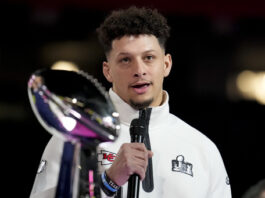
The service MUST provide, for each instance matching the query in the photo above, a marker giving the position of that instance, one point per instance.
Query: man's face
(136, 68)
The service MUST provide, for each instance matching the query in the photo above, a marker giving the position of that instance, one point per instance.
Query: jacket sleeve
(220, 185)
(47, 175)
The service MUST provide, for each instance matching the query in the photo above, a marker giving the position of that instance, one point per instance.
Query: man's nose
(139, 69)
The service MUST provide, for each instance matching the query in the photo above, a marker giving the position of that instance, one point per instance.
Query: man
(185, 162)
(175, 160)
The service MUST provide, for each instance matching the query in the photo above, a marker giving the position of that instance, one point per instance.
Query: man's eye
(149, 58)
(125, 60)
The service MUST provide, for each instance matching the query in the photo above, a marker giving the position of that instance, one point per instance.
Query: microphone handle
(133, 186)
(134, 180)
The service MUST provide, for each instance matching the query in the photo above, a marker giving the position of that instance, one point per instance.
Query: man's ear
(106, 71)
(167, 64)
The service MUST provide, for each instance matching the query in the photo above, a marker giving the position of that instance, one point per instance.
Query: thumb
(150, 154)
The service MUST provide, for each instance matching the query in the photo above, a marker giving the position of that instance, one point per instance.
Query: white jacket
(186, 164)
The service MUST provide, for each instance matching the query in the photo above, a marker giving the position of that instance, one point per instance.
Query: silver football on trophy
(73, 105)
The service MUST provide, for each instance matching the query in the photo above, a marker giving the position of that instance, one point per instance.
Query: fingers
(137, 158)
(132, 158)
(140, 147)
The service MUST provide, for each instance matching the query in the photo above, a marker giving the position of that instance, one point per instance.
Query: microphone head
(137, 127)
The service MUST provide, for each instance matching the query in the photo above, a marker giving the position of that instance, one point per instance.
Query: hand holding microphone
(137, 132)
(131, 160)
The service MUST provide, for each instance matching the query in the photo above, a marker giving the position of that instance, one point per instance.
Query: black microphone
(137, 132)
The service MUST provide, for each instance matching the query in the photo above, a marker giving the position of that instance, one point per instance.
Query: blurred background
(217, 83)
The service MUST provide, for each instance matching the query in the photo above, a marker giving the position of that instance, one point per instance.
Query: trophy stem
(68, 166)
(88, 178)
(78, 173)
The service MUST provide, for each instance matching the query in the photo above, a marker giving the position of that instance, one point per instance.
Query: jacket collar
(127, 113)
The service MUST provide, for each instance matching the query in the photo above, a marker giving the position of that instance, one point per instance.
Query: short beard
(142, 105)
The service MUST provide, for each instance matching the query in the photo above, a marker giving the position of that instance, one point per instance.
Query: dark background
(210, 42)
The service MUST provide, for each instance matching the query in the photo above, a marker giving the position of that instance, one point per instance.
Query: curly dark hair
(133, 21)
